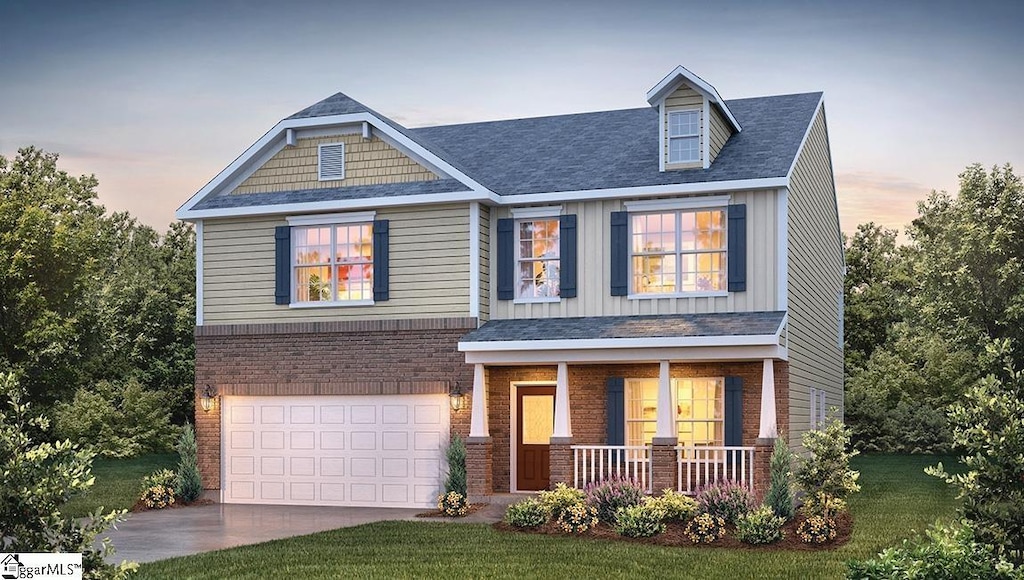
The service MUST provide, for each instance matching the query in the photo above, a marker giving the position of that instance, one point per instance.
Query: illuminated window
(333, 263)
(699, 412)
(680, 251)
(537, 259)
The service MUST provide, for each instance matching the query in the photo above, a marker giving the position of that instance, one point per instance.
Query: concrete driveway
(160, 534)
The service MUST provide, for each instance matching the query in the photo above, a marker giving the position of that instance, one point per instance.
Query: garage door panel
(335, 450)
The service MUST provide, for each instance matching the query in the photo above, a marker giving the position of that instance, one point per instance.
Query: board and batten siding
(721, 130)
(594, 275)
(367, 162)
(683, 98)
(816, 265)
(485, 263)
(429, 263)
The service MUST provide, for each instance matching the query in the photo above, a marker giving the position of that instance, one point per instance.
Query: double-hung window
(683, 136)
(537, 259)
(678, 251)
(699, 410)
(332, 262)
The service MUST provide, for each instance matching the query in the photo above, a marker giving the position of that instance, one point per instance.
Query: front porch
(690, 468)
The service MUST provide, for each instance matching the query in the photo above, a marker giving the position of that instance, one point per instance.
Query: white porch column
(563, 422)
(665, 427)
(478, 421)
(769, 424)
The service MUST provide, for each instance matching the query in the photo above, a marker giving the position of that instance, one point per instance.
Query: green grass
(897, 497)
(117, 483)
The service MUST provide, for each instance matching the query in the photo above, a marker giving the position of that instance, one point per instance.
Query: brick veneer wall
(587, 386)
(417, 356)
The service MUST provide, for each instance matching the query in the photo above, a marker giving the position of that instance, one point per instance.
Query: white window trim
(681, 294)
(528, 213)
(683, 203)
(333, 220)
(675, 397)
(669, 136)
(519, 259)
(319, 161)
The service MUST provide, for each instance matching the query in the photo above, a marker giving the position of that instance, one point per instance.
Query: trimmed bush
(456, 455)
(188, 485)
(725, 499)
(640, 521)
(760, 526)
(453, 504)
(528, 513)
(610, 495)
(578, 518)
(705, 528)
(563, 496)
(780, 488)
(675, 505)
(158, 496)
(164, 477)
(817, 530)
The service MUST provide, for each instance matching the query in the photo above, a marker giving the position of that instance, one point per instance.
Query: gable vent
(332, 161)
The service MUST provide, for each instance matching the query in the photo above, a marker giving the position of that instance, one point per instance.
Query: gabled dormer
(694, 121)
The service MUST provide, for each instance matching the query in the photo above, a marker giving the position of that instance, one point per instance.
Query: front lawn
(117, 483)
(897, 497)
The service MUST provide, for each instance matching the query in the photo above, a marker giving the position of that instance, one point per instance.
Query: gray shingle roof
(649, 326)
(331, 194)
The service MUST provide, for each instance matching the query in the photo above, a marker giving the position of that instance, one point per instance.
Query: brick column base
(763, 449)
(663, 467)
(479, 480)
(560, 462)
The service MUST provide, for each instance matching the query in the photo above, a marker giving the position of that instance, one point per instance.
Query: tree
(188, 485)
(38, 478)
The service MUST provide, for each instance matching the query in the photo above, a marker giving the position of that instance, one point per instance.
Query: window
(537, 259)
(700, 410)
(333, 262)
(682, 251)
(683, 136)
(819, 414)
(331, 164)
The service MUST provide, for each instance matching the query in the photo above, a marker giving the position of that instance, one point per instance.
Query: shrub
(705, 528)
(610, 495)
(563, 496)
(164, 477)
(453, 504)
(675, 505)
(188, 485)
(760, 526)
(780, 488)
(726, 499)
(945, 553)
(158, 496)
(640, 521)
(456, 454)
(39, 478)
(817, 530)
(825, 476)
(528, 513)
(578, 518)
(117, 419)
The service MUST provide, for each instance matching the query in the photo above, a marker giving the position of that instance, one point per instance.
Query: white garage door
(381, 450)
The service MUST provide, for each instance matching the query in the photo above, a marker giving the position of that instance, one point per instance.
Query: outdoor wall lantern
(207, 398)
(455, 397)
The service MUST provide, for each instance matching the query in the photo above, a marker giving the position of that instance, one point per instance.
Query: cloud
(887, 200)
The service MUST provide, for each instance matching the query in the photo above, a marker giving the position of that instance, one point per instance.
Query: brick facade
(326, 358)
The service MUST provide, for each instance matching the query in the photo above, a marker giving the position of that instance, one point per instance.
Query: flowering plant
(453, 504)
(705, 528)
(817, 530)
(578, 518)
(158, 496)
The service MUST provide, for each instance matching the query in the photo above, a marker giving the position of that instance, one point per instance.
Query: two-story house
(652, 292)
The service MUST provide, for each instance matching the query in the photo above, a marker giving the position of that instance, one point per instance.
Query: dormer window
(683, 136)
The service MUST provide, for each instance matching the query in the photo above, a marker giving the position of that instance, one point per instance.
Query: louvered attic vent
(332, 161)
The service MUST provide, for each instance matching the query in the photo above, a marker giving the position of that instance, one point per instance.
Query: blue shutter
(619, 252)
(733, 411)
(737, 259)
(506, 259)
(567, 255)
(381, 261)
(616, 405)
(282, 265)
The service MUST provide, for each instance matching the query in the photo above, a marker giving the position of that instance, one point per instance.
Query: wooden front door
(535, 407)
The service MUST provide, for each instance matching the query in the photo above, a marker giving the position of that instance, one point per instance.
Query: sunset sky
(155, 98)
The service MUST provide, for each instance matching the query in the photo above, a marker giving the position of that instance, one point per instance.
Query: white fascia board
(618, 343)
(340, 205)
(474, 259)
(782, 249)
(277, 134)
(630, 355)
(619, 192)
(199, 272)
(669, 83)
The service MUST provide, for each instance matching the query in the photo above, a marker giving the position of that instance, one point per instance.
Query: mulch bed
(437, 513)
(674, 536)
(140, 506)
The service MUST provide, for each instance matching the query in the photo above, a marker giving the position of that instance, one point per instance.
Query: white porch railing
(599, 462)
(698, 466)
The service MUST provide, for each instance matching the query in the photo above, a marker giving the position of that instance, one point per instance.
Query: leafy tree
(825, 476)
(38, 478)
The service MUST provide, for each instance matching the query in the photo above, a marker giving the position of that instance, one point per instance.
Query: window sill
(678, 295)
(536, 300)
(334, 304)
